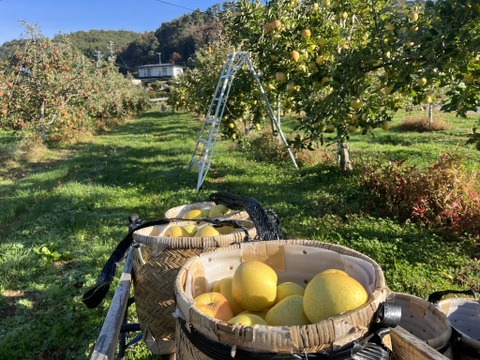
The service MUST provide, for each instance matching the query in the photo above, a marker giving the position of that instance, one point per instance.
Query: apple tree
(349, 65)
(194, 90)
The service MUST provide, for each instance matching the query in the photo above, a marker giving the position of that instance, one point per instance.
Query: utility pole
(98, 55)
(110, 47)
(159, 57)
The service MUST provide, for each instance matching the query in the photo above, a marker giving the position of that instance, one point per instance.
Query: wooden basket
(464, 315)
(179, 211)
(293, 260)
(422, 319)
(156, 263)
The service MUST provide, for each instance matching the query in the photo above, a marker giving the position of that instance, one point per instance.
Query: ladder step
(196, 162)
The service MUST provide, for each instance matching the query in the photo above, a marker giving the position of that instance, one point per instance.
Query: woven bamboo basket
(464, 315)
(179, 211)
(423, 320)
(293, 260)
(156, 263)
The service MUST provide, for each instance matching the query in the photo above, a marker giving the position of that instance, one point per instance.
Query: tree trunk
(344, 157)
(430, 115)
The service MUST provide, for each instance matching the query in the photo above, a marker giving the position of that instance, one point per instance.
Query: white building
(158, 72)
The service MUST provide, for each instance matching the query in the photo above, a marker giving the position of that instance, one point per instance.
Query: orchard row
(51, 92)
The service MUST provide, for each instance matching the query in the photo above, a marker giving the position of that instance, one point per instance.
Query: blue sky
(65, 16)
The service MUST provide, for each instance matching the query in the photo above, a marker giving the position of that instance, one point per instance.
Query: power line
(179, 6)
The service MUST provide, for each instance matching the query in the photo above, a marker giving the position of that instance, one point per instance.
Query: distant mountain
(87, 42)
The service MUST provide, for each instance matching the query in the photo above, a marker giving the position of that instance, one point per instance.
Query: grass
(65, 209)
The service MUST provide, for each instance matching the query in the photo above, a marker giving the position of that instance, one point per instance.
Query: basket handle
(437, 296)
(267, 223)
(94, 296)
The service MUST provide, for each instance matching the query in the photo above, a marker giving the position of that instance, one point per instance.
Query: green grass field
(65, 209)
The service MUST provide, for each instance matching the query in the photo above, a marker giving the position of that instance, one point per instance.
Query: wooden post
(107, 340)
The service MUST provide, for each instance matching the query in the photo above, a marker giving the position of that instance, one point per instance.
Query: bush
(444, 197)
(422, 123)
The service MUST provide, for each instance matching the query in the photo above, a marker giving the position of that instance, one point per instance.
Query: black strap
(437, 296)
(94, 296)
(371, 347)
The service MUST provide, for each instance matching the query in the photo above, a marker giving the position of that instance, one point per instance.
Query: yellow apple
(258, 313)
(320, 59)
(176, 231)
(207, 230)
(288, 288)
(277, 25)
(291, 87)
(413, 16)
(254, 285)
(422, 82)
(330, 293)
(287, 312)
(268, 27)
(193, 214)
(224, 287)
(390, 27)
(247, 320)
(214, 305)
(427, 100)
(190, 229)
(280, 76)
(306, 33)
(217, 210)
(356, 104)
(225, 230)
(294, 55)
(321, 42)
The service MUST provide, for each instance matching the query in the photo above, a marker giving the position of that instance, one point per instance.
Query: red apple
(214, 305)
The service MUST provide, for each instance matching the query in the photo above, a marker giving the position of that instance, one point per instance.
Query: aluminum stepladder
(205, 145)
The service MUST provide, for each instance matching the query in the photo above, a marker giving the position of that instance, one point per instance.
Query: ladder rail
(234, 62)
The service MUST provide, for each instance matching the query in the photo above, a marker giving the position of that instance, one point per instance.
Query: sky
(66, 16)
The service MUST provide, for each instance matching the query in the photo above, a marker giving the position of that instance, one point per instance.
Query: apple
(217, 210)
(247, 319)
(225, 230)
(422, 82)
(330, 293)
(190, 229)
(214, 305)
(356, 104)
(413, 16)
(294, 55)
(176, 231)
(288, 288)
(262, 313)
(193, 214)
(207, 230)
(321, 42)
(224, 287)
(280, 76)
(306, 33)
(277, 25)
(268, 27)
(427, 100)
(287, 312)
(291, 87)
(390, 27)
(320, 59)
(254, 285)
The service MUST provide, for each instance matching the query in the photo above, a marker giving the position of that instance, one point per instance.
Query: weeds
(443, 197)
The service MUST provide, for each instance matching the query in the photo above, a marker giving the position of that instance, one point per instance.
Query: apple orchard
(50, 92)
(347, 65)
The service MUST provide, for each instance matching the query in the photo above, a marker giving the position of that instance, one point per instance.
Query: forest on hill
(174, 40)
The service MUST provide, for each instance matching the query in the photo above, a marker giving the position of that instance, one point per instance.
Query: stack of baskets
(464, 315)
(157, 260)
